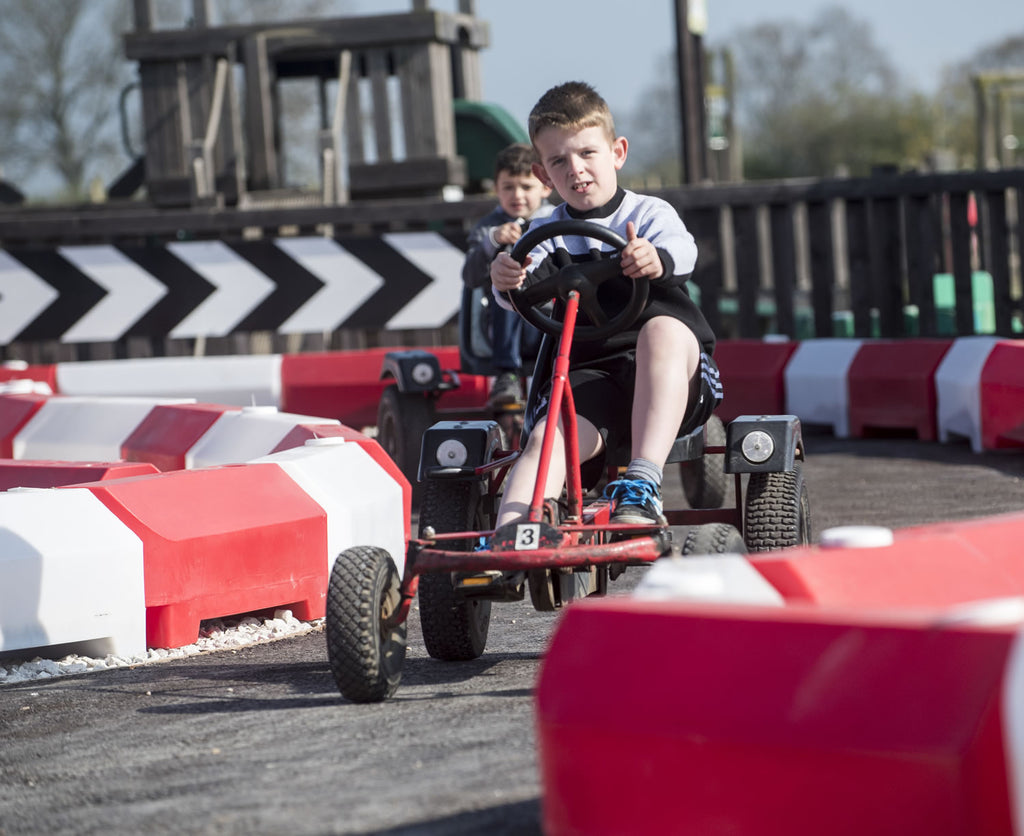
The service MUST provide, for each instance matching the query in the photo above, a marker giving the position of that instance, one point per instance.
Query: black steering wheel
(585, 277)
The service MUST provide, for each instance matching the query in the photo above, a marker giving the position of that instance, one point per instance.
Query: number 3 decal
(527, 537)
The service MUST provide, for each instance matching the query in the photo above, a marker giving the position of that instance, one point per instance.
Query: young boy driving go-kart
(661, 365)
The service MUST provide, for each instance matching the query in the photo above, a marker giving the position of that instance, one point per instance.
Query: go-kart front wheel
(778, 513)
(454, 627)
(365, 655)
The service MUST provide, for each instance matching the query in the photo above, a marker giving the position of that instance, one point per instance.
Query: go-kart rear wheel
(401, 421)
(365, 656)
(778, 513)
(705, 481)
(713, 538)
(454, 627)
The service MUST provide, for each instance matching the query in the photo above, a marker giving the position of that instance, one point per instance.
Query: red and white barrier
(891, 385)
(839, 383)
(674, 717)
(1002, 396)
(816, 390)
(958, 389)
(241, 520)
(753, 376)
(67, 428)
(70, 573)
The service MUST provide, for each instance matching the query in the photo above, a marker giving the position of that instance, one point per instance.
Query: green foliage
(820, 99)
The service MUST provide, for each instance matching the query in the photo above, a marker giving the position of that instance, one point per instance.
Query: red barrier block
(346, 385)
(1002, 396)
(926, 566)
(891, 386)
(169, 431)
(674, 718)
(43, 373)
(753, 377)
(15, 412)
(304, 432)
(17, 473)
(221, 541)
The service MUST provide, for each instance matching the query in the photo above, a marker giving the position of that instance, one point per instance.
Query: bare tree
(60, 70)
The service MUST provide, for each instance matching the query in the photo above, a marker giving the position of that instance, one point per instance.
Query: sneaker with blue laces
(637, 502)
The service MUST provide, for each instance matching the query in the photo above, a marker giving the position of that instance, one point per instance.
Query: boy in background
(521, 197)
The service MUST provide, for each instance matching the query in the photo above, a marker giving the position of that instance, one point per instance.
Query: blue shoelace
(633, 492)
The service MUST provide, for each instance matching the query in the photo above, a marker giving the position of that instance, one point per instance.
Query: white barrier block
(70, 572)
(815, 377)
(240, 436)
(363, 503)
(231, 381)
(958, 389)
(83, 428)
(1013, 729)
(721, 578)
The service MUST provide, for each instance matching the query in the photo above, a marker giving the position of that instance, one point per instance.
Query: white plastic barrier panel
(232, 381)
(958, 389)
(720, 578)
(816, 390)
(83, 429)
(244, 435)
(70, 573)
(363, 503)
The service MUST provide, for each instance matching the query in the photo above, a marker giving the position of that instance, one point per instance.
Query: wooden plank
(960, 239)
(379, 66)
(998, 263)
(783, 245)
(313, 37)
(922, 225)
(859, 264)
(886, 267)
(746, 253)
(259, 82)
(708, 274)
(822, 264)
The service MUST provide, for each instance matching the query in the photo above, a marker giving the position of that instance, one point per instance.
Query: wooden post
(690, 73)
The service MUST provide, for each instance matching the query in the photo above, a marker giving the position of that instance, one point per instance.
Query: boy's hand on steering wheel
(507, 273)
(639, 258)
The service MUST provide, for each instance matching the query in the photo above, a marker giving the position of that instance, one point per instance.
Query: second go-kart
(566, 548)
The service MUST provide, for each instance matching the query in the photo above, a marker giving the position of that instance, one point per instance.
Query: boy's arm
(481, 252)
(673, 242)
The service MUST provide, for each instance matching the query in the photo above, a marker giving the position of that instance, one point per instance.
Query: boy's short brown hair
(516, 159)
(572, 105)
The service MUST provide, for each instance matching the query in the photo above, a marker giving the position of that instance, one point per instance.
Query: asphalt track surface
(258, 741)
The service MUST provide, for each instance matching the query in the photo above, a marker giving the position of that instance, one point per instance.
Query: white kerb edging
(816, 382)
(83, 429)
(232, 381)
(242, 435)
(70, 572)
(720, 578)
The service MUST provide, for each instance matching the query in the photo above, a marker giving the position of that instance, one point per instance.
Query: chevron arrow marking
(23, 296)
(348, 283)
(131, 291)
(437, 304)
(240, 287)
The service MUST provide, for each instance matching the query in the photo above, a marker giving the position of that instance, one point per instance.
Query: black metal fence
(897, 255)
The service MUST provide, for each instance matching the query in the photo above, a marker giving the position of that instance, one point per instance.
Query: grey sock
(644, 469)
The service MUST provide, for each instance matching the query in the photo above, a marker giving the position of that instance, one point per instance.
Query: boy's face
(580, 164)
(520, 195)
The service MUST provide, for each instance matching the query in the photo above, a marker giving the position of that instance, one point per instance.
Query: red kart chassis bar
(575, 546)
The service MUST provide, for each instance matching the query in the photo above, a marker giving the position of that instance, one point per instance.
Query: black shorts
(603, 394)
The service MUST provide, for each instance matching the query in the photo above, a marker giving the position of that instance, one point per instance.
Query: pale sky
(619, 46)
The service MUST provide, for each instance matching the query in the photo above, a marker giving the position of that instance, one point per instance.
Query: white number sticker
(527, 537)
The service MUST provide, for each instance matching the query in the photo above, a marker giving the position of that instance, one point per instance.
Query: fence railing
(889, 256)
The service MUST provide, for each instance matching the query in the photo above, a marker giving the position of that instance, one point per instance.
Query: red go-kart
(566, 548)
